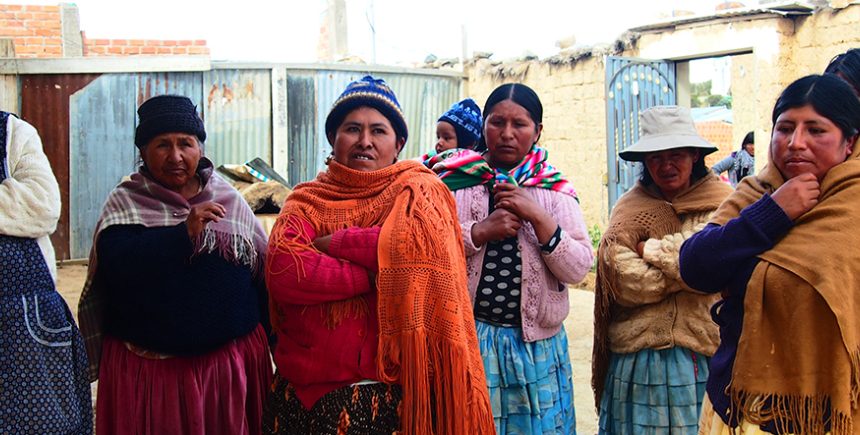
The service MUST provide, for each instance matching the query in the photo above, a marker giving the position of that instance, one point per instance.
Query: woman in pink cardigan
(525, 240)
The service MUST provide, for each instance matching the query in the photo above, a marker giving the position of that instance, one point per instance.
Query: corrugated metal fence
(276, 112)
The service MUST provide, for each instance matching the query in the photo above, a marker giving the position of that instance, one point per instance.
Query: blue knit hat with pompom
(367, 92)
(465, 116)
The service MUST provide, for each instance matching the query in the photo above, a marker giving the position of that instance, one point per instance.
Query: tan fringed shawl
(799, 351)
(639, 215)
(427, 341)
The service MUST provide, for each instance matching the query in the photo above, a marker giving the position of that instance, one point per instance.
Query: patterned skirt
(44, 383)
(218, 393)
(361, 409)
(531, 384)
(654, 392)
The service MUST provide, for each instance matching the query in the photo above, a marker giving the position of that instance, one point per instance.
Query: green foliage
(595, 233)
(701, 96)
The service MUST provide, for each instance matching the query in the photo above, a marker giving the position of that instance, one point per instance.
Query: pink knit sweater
(544, 294)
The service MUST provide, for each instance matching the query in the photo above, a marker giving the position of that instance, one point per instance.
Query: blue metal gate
(632, 85)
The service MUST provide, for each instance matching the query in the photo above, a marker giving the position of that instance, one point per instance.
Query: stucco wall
(771, 50)
(574, 121)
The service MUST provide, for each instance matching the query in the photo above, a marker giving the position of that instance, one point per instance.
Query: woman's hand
(520, 203)
(202, 214)
(798, 195)
(321, 243)
(499, 225)
(516, 201)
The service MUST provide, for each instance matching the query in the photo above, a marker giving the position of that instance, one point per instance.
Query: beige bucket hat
(665, 128)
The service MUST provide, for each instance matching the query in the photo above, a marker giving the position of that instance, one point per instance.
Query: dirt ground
(579, 326)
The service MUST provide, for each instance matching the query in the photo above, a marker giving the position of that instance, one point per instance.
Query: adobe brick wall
(35, 30)
(37, 33)
(575, 105)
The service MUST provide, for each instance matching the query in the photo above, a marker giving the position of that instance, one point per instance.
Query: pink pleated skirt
(221, 392)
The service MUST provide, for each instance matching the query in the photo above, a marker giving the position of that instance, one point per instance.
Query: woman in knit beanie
(368, 290)
(174, 305)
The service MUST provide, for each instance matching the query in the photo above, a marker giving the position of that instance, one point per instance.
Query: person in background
(782, 251)
(525, 240)
(653, 335)
(368, 290)
(44, 387)
(740, 163)
(174, 306)
(847, 67)
(458, 128)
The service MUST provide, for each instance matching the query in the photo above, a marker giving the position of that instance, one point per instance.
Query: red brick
(114, 50)
(180, 50)
(198, 50)
(54, 49)
(169, 43)
(46, 32)
(48, 42)
(11, 23)
(46, 16)
(184, 42)
(46, 8)
(154, 42)
(200, 42)
(148, 50)
(24, 16)
(136, 42)
(118, 42)
(7, 16)
(41, 24)
(20, 40)
(131, 50)
(33, 41)
(14, 7)
(17, 31)
(96, 49)
(27, 49)
(164, 50)
(100, 41)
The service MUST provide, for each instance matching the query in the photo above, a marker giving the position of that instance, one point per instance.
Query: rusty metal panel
(302, 113)
(45, 105)
(189, 84)
(423, 100)
(101, 126)
(238, 111)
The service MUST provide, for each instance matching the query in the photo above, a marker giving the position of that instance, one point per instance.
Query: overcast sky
(406, 30)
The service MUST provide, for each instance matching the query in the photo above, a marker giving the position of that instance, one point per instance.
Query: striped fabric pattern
(654, 392)
(461, 168)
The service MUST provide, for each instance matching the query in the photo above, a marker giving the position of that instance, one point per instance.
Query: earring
(329, 158)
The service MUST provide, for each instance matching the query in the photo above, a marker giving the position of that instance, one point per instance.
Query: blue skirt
(531, 384)
(654, 392)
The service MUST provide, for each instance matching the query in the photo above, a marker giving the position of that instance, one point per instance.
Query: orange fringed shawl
(427, 340)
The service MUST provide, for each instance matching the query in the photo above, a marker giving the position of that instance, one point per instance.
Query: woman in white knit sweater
(44, 387)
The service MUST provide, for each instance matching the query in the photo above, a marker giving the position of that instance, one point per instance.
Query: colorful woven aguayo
(459, 169)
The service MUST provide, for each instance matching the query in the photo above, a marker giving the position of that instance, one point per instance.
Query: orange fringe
(415, 352)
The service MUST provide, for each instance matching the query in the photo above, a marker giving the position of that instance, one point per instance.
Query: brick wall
(138, 47)
(37, 33)
(35, 30)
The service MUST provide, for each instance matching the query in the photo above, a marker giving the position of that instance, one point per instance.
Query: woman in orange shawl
(367, 279)
(783, 250)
